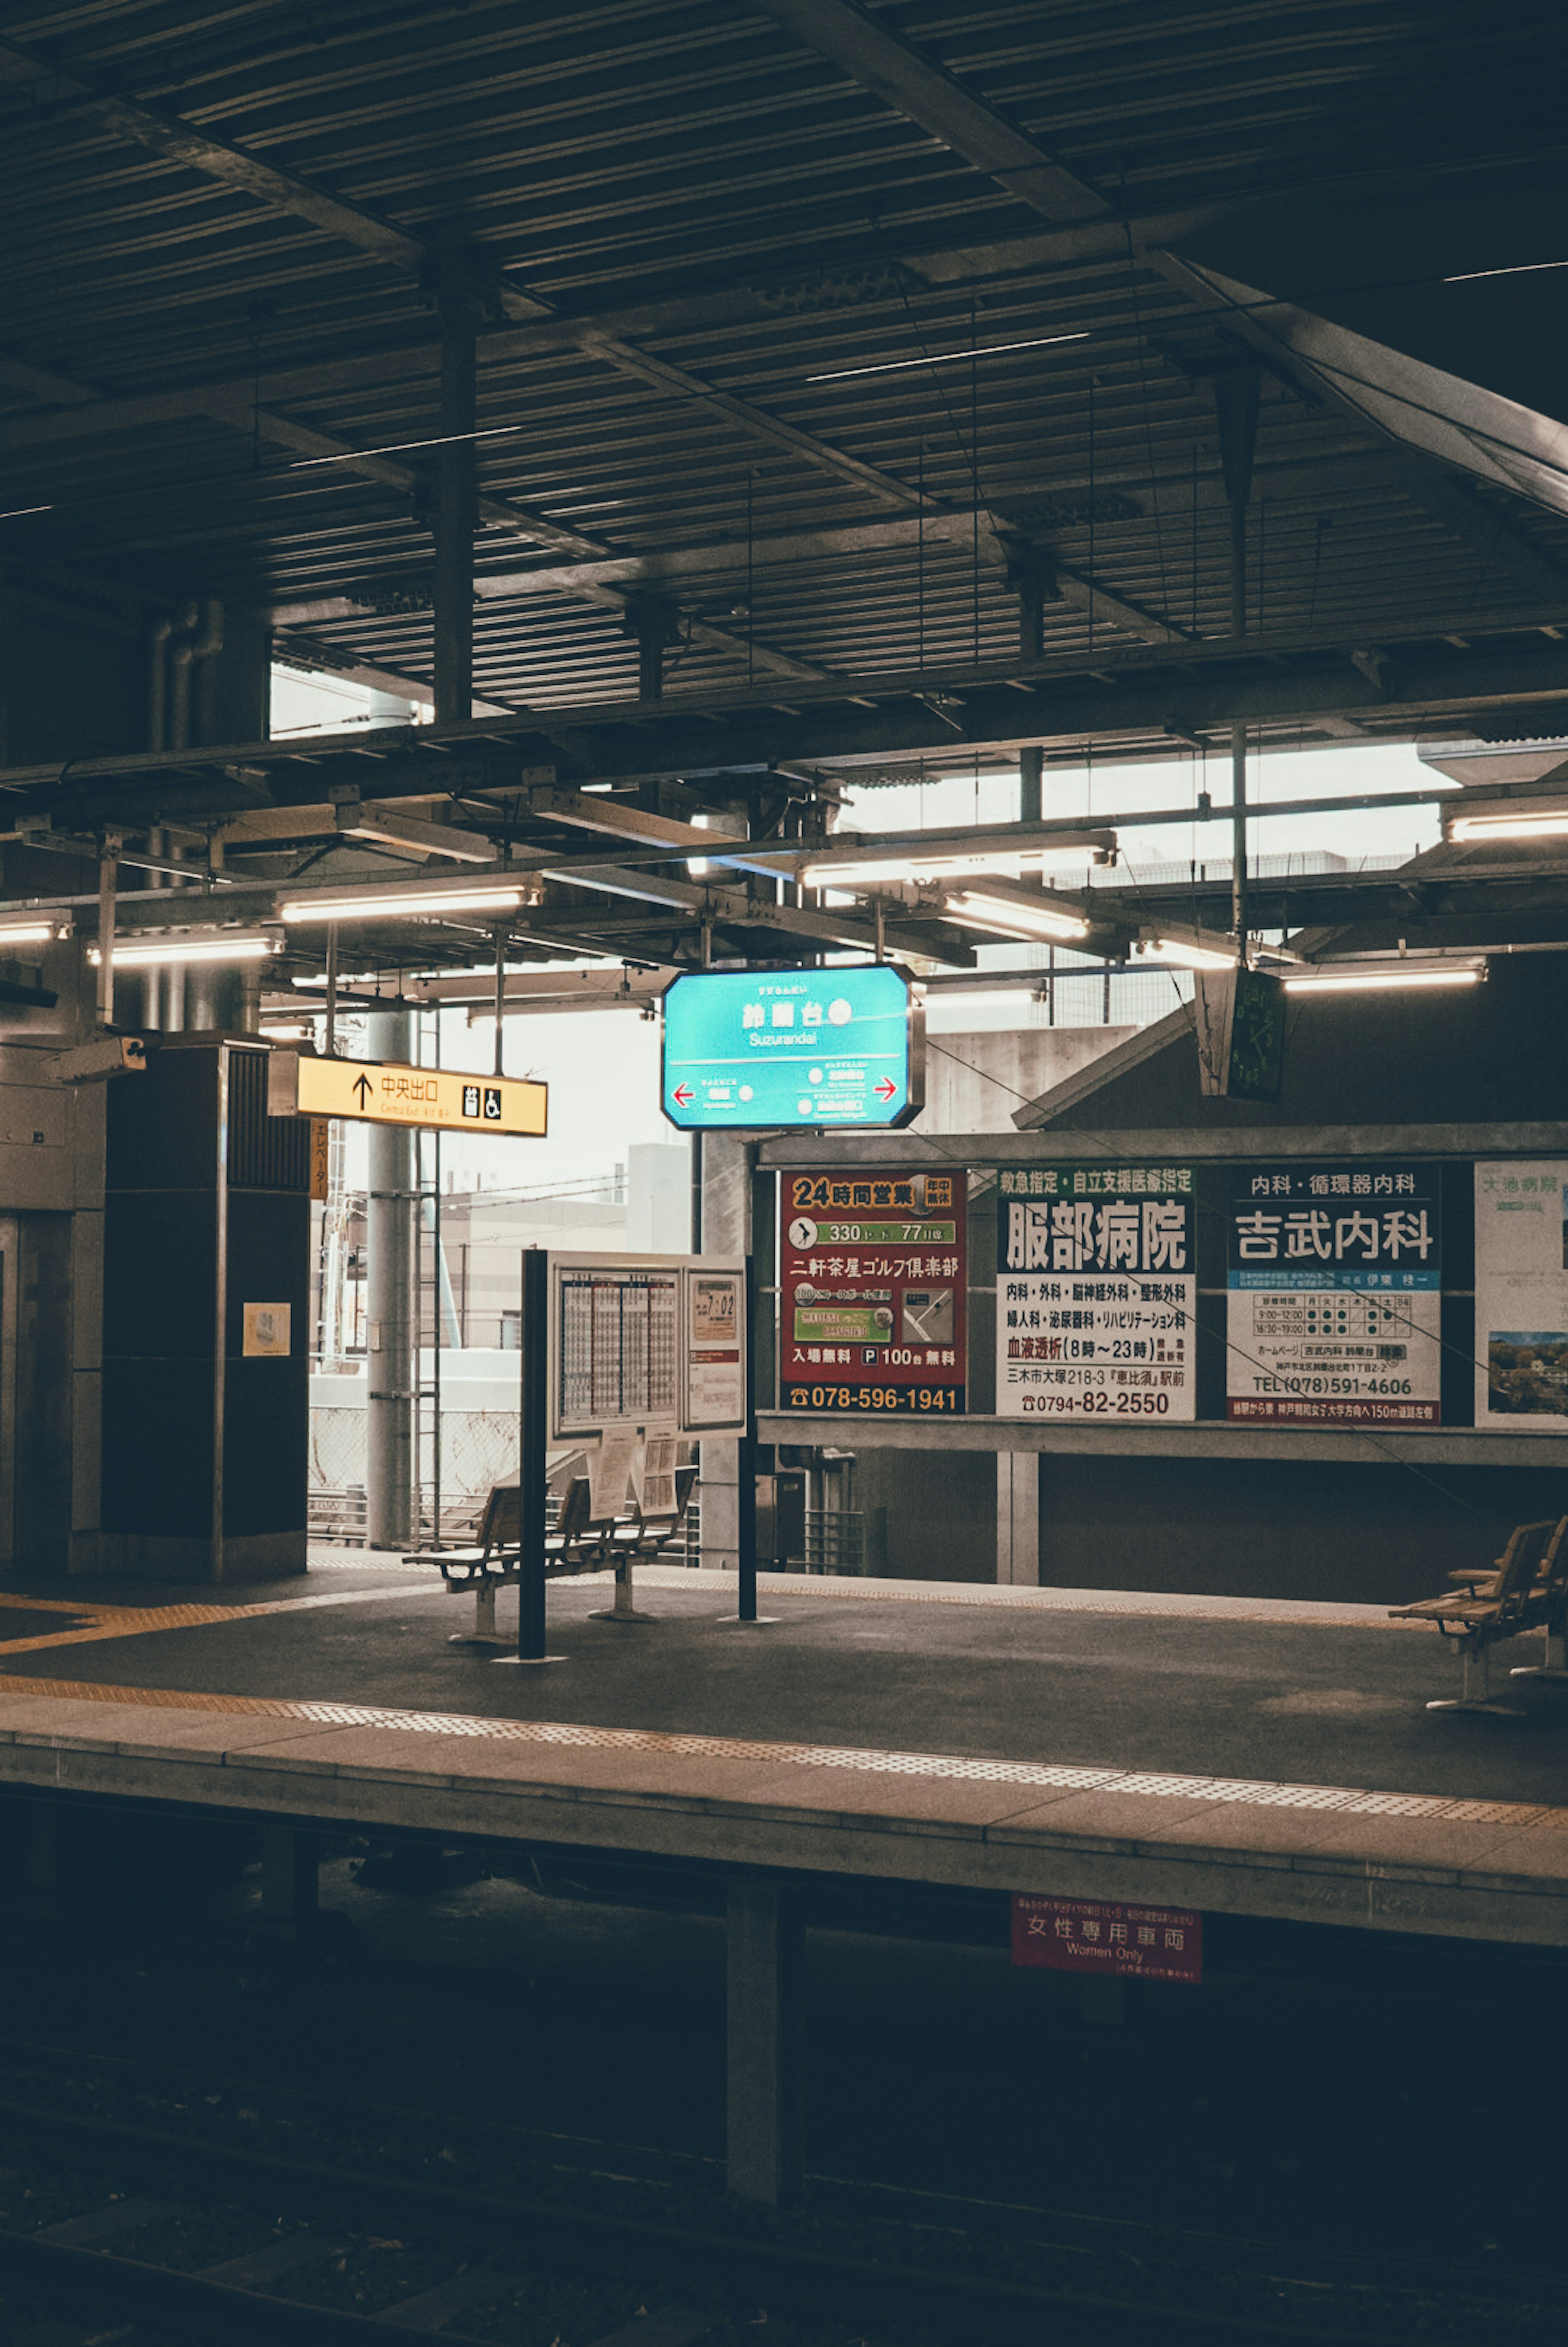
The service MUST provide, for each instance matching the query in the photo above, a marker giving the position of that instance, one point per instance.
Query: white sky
(1096, 792)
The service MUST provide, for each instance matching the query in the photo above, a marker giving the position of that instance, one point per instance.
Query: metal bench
(1521, 1591)
(642, 1536)
(572, 1545)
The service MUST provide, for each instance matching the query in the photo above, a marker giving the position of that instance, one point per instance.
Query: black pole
(746, 1462)
(532, 1478)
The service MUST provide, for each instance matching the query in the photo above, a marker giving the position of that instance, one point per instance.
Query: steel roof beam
(924, 92)
(1426, 479)
(178, 141)
(664, 376)
(498, 512)
(470, 271)
(1133, 698)
(743, 300)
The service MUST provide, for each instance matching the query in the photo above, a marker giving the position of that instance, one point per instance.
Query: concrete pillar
(763, 1988)
(1018, 1517)
(290, 1885)
(388, 1280)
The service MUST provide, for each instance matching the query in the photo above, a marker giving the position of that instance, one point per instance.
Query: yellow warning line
(43, 1605)
(136, 1621)
(1342, 1799)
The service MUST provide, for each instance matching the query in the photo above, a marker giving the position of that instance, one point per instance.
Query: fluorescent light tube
(1348, 980)
(1178, 953)
(27, 933)
(952, 358)
(1013, 915)
(910, 868)
(150, 951)
(1511, 822)
(496, 898)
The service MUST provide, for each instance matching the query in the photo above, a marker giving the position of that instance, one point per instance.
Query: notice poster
(1335, 1293)
(1096, 1286)
(1105, 1936)
(872, 1275)
(715, 1348)
(1522, 1296)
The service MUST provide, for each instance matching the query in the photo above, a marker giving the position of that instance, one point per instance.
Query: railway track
(138, 2233)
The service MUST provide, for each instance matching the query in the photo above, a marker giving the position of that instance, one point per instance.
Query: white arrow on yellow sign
(378, 1092)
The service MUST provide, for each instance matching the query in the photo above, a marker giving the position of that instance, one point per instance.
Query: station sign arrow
(887, 1090)
(375, 1092)
(683, 1096)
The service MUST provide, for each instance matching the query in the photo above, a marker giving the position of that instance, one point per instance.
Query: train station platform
(1262, 1757)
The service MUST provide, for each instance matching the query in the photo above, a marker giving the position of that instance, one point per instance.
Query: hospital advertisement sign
(1522, 1296)
(1334, 1284)
(1095, 1289)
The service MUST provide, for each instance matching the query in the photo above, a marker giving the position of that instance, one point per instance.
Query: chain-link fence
(479, 1448)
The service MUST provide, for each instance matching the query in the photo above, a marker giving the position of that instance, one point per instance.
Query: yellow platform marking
(948, 1767)
(96, 1621)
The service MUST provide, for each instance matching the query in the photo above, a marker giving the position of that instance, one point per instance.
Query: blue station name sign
(793, 1047)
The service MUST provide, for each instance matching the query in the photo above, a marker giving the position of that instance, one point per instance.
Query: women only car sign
(1096, 1286)
(1107, 1937)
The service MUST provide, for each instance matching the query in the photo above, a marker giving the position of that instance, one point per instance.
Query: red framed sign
(1105, 1936)
(873, 1271)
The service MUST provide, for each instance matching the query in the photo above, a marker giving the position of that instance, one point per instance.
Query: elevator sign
(744, 1049)
(381, 1091)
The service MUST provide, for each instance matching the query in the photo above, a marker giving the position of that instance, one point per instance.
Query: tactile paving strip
(942, 1767)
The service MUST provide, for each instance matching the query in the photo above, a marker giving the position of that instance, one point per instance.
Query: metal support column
(657, 626)
(109, 883)
(1240, 914)
(457, 516)
(1031, 580)
(762, 1986)
(1031, 759)
(746, 1464)
(750, 1455)
(388, 1312)
(533, 1470)
(1236, 403)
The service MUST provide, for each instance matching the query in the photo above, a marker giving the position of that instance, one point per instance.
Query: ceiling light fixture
(1349, 979)
(398, 448)
(1519, 269)
(1545, 819)
(949, 358)
(298, 1033)
(1014, 917)
(34, 932)
(414, 905)
(911, 867)
(1184, 953)
(145, 952)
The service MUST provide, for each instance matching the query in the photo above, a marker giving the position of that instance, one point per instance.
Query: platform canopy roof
(858, 388)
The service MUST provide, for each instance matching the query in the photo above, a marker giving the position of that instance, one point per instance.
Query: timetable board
(617, 1354)
(648, 1342)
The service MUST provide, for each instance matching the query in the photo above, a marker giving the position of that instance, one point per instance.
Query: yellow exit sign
(378, 1092)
